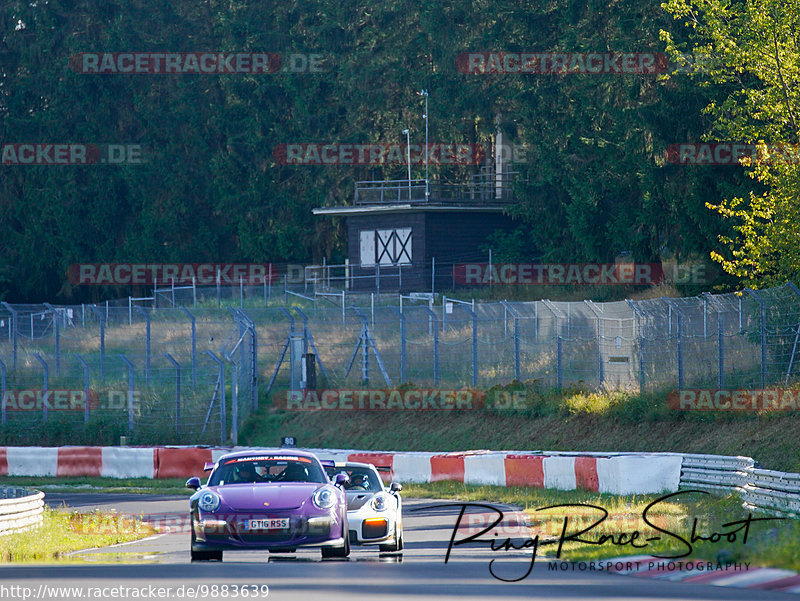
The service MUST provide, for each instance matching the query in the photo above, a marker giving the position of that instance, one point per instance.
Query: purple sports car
(278, 499)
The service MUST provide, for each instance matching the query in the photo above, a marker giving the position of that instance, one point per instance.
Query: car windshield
(267, 469)
(361, 478)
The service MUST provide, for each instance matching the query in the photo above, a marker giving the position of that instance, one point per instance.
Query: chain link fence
(164, 374)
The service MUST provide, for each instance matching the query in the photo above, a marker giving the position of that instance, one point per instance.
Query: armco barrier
(762, 489)
(616, 473)
(20, 509)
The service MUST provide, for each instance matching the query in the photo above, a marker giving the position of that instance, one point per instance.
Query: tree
(751, 49)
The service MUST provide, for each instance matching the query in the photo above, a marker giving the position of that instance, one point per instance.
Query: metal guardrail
(20, 509)
(768, 490)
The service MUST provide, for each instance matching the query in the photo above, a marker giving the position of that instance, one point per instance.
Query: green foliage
(750, 50)
(595, 182)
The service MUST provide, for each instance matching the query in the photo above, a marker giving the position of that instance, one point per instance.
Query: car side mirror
(341, 479)
(193, 483)
(396, 487)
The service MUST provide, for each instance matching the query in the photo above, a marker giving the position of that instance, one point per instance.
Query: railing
(20, 509)
(761, 489)
(484, 189)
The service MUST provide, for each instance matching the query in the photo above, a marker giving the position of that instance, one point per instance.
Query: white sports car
(374, 512)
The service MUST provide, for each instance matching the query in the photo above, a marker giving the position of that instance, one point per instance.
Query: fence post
(720, 339)
(177, 392)
(194, 292)
(308, 338)
(796, 291)
(515, 316)
(638, 316)
(559, 365)
(433, 275)
(234, 400)
(85, 387)
(251, 326)
(364, 355)
(474, 343)
(763, 326)
(219, 292)
(194, 346)
(12, 333)
(131, 376)
(146, 316)
(102, 342)
(599, 316)
(56, 337)
(559, 343)
(3, 391)
(222, 408)
(435, 330)
(679, 328)
(402, 344)
(46, 380)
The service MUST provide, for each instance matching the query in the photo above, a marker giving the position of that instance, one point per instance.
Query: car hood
(257, 497)
(356, 500)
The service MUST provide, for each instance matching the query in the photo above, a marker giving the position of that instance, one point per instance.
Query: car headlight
(209, 501)
(324, 498)
(379, 503)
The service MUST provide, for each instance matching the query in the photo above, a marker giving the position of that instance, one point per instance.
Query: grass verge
(571, 419)
(63, 532)
(145, 486)
(769, 544)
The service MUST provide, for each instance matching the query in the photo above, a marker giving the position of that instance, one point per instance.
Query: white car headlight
(324, 498)
(379, 503)
(209, 501)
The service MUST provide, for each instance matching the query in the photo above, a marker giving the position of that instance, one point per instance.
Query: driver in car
(246, 472)
(294, 472)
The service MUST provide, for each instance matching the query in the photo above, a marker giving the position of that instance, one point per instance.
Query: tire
(344, 550)
(395, 546)
(203, 555)
(206, 555)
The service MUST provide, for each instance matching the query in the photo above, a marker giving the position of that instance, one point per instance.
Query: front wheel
(203, 555)
(344, 550)
(206, 555)
(395, 546)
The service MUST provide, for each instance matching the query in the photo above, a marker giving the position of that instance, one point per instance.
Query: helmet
(294, 472)
(246, 472)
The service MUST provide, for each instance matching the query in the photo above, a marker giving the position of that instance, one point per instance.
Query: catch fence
(185, 374)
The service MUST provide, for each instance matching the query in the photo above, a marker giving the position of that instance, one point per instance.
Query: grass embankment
(565, 420)
(770, 543)
(62, 532)
(90, 484)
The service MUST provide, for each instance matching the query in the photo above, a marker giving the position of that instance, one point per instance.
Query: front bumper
(213, 532)
(365, 531)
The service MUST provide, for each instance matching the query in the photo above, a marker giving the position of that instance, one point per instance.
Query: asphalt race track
(162, 562)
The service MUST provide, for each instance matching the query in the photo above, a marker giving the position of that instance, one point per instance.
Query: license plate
(267, 524)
